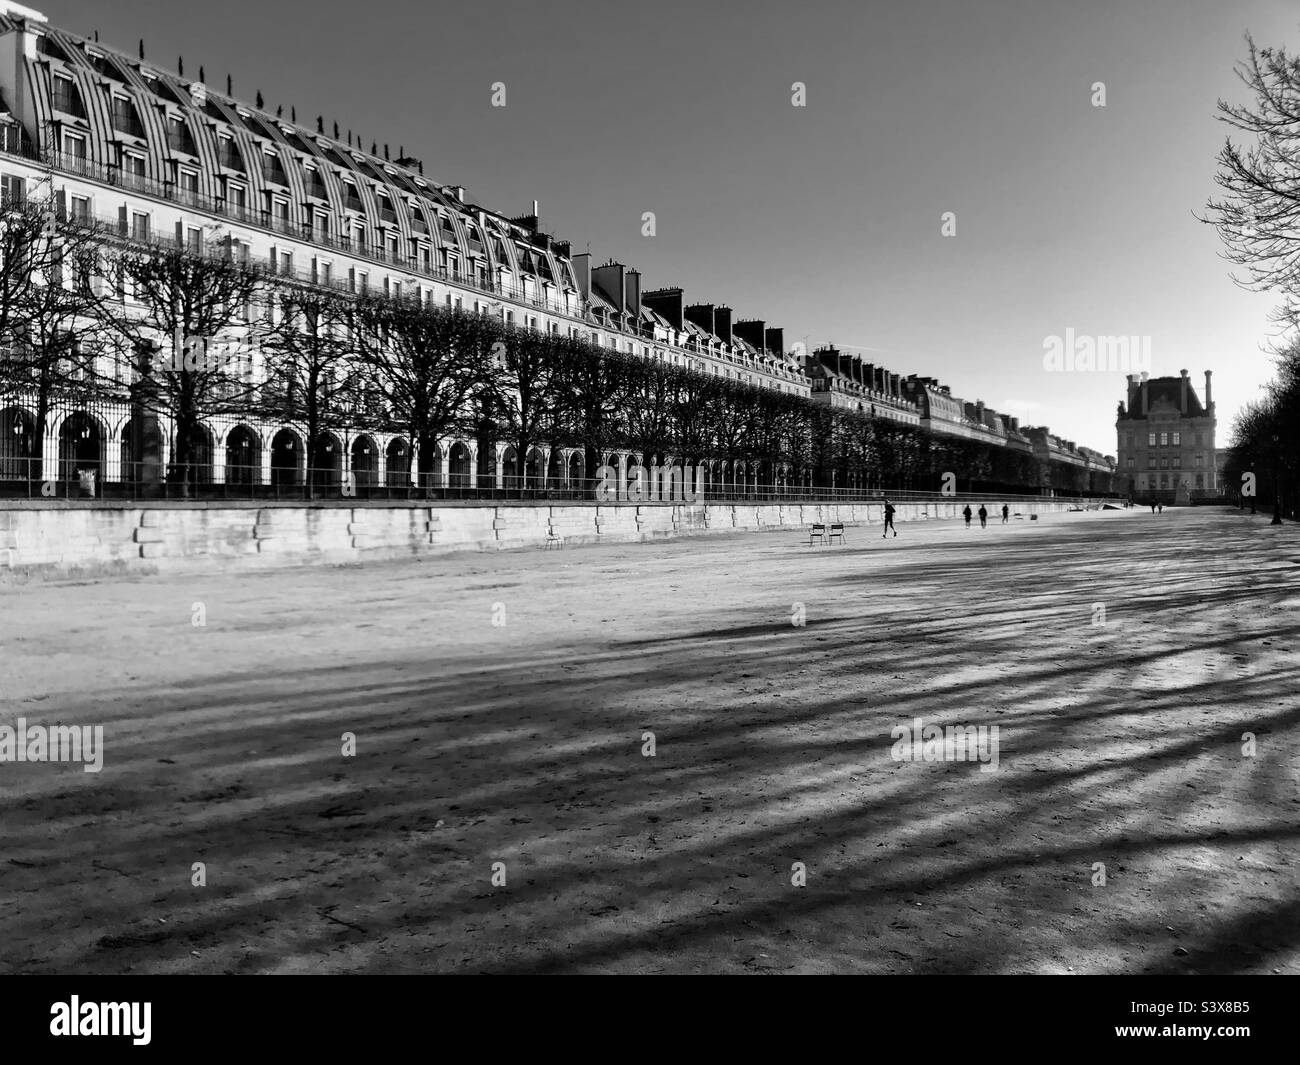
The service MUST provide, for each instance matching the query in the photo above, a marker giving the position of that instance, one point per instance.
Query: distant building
(843, 381)
(1166, 439)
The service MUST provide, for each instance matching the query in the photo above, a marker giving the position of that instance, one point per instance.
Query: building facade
(152, 157)
(1166, 439)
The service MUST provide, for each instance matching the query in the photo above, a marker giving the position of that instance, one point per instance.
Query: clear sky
(824, 219)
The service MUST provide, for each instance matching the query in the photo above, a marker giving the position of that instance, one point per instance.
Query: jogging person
(889, 519)
(1006, 513)
(984, 517)
(966, 514)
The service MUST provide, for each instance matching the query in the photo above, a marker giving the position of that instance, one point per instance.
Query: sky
(825, 219)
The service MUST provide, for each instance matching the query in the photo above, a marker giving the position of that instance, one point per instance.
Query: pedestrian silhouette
(984, 517)
(1162, 507)
(889, 519)
(966, 515)
(1006, 512)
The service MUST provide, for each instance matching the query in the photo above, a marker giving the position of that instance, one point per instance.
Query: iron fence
(80, 480)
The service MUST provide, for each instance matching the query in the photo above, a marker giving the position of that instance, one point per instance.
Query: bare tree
(309, 345)
(54, 309)
(1259, 218)
(189, 302)
(525, 387)
(433, 366)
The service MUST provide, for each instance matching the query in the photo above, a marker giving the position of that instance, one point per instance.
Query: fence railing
(20, 478)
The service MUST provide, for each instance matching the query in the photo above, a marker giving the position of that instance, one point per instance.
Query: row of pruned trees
(1258, 220)
(1263, 462)
(79, 302)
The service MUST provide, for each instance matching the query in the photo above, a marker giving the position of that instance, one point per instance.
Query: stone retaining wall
(141, 538)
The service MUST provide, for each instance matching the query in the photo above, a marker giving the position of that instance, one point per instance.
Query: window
(392, 249)
(1177, 438)
(273, 169)
(1164, 464)
(178, 136)
(286, 262)
(1130, 464)
(236, 195)
(315, 184)
(386, 213)
(280, 214)
(1177, 461)
(125, 119)
(66, 97)
(132, 165)
(1200, 460)
(1151, 462)
(425, 259)
(228, 153)
(352, 198)
(1164, 439)
(139, 226)
(1151, 439)
(13, 189)
(359, 236)
(189, 184)
(79, 208)
(193, 239)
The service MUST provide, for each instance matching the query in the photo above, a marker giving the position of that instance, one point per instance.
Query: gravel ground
(1121, 655)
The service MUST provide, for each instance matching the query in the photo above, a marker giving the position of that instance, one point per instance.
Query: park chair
(552, 540)
(837, 529)
(818, 533)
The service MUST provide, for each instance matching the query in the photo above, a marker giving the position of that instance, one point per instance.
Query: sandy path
(1119, 743)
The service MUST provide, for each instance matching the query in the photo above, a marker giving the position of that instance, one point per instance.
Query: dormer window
(67, 98)
(228, 154)
(47, 45)
(179, 138)
(351, 197)
(125, 118)
(315, 184)
(273, 168)
(386, 213)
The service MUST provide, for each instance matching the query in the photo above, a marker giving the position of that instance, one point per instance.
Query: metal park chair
(837, 529)
(818, 532)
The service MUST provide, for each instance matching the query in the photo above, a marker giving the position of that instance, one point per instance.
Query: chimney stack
(1146, 392)
(1209, 402)
(1182, 396)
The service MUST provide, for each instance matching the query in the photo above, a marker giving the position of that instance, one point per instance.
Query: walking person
(889, 519)
(984, 517)
(1006, 513)
(966, 514)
